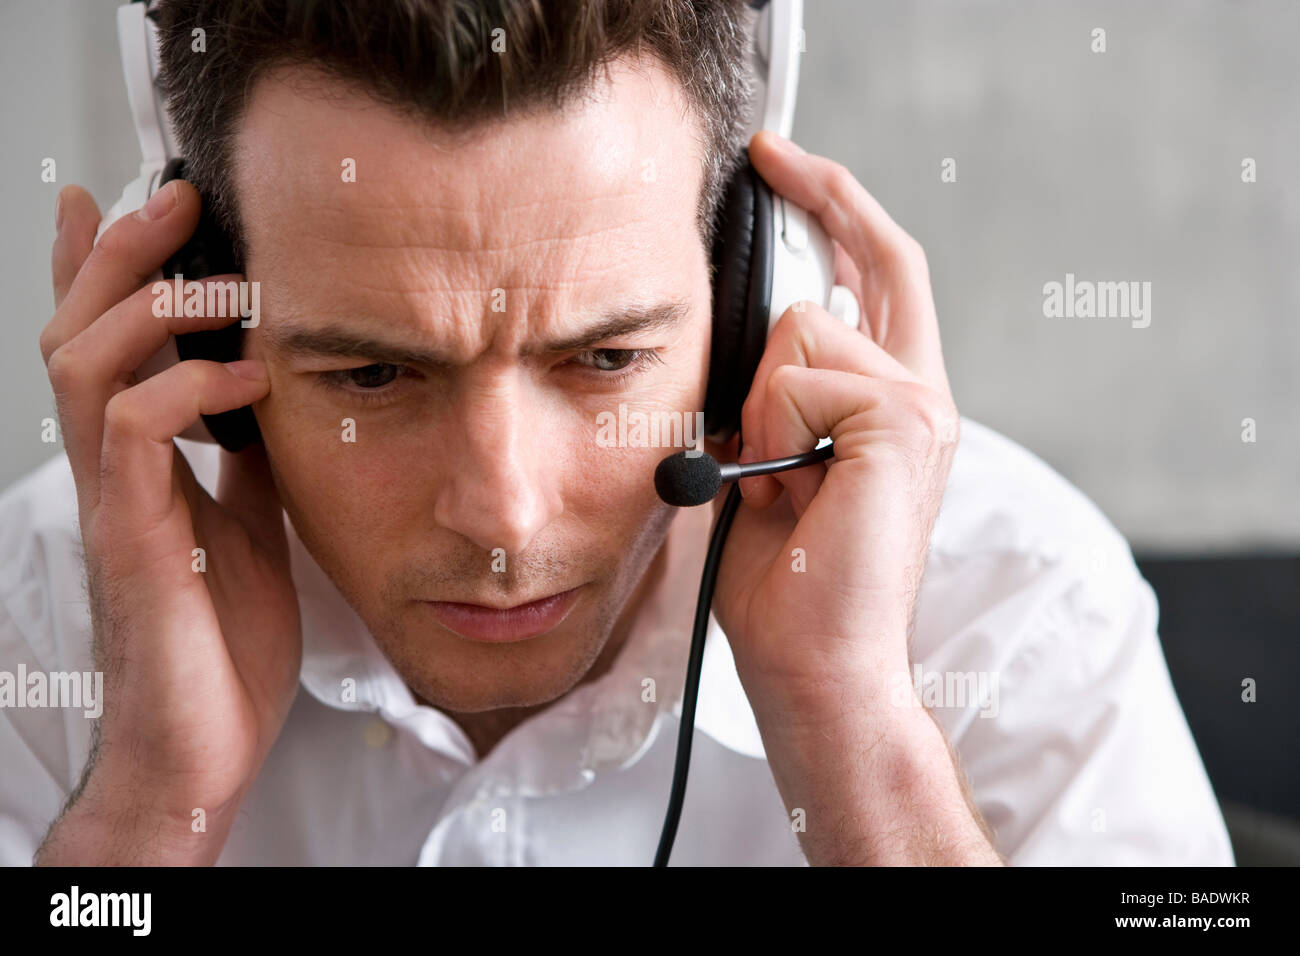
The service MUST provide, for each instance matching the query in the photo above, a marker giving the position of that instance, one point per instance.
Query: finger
(895, 280)
(88, 370)
(140, 425)
(801, 405)
(120, 341)
(762, 491)
(811, 338)
(850, 215)
(127, 254)
(847, 275)
(896, 425)
(76, 218)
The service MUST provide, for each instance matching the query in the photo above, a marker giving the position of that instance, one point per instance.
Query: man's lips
(501, 625)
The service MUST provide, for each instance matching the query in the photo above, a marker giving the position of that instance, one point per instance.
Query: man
(433, 619)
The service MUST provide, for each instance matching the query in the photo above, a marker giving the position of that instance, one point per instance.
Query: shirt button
(377, 733)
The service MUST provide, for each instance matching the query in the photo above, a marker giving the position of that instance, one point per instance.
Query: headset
(768, 253)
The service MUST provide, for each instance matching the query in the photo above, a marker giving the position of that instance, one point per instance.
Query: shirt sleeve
(1088, 759)
(33, 758)
(44, 627)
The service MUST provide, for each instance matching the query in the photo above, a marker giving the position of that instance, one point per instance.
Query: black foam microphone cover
(686, 482)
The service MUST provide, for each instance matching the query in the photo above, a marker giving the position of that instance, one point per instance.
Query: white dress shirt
(1074, 743)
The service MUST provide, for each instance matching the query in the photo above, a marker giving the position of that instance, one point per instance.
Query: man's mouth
(478, 622)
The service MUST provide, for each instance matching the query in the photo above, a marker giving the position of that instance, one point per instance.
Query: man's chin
(506, 694)
(468, 677)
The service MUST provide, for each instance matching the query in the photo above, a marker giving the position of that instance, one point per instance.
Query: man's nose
(502, 485)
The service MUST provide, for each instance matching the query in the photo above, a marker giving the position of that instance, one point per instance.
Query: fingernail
(58, 213)
(160, 204)
(251, 369)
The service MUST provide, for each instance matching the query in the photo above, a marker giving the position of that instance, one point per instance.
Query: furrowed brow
(629, 321)
(340, 342)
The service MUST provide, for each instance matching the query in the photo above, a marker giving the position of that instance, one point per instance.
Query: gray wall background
(1116, 166)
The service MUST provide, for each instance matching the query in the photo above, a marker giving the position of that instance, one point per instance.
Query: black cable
(691, 692)
(790, 462)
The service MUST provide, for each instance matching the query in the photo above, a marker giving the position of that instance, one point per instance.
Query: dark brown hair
(434, 58)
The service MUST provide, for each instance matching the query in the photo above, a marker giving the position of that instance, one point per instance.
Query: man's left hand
(819, 583)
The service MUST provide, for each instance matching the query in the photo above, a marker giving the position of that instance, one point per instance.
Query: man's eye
(371, 376)
(615, 360)
(368, 383)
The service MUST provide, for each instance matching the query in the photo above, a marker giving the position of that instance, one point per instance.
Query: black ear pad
(742, 298)
(210, 252)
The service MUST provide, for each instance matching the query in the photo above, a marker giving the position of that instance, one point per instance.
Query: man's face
(482, 266)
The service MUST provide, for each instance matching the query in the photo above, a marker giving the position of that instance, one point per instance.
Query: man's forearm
(878, 786)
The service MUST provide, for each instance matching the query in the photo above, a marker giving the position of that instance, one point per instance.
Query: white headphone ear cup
(134, 195)
(115, 212)
(844, 306)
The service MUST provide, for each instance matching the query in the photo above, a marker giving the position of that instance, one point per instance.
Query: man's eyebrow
(628, 321)
(333, 340)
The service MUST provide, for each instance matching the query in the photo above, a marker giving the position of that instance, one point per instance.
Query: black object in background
(1223, 620)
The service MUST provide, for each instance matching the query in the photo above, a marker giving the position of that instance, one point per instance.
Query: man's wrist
(125, 824)
(876, 784)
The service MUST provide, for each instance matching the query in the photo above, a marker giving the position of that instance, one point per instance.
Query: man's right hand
(200, 667)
